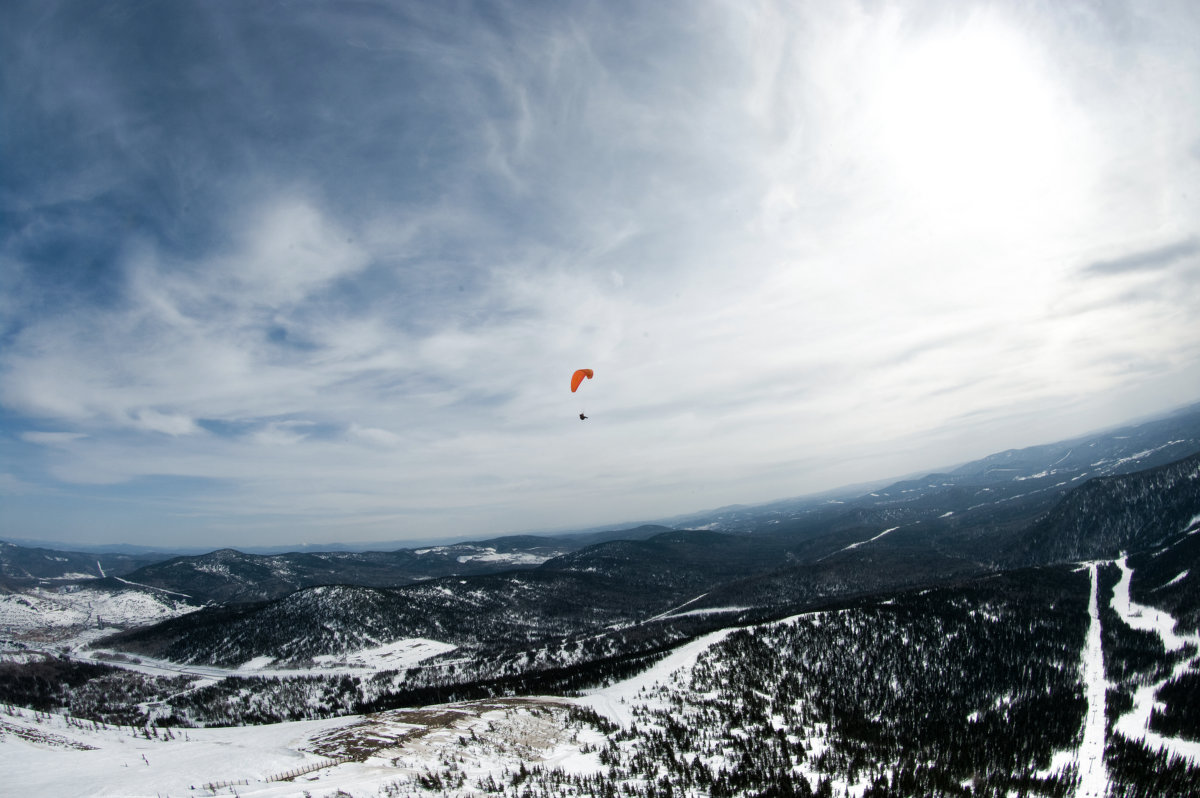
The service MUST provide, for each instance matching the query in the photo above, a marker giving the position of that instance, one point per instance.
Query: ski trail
(100, 568)
(1135, 724)
(617, 700)
(151, 587)
(1093, 772)
(859, 543)
(864, 542)
(676, 609)
(1064, 457)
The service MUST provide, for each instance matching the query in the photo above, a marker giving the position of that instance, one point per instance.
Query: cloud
(281, 433)
(287, 253)
(52, 438)
(191, 339)
(169, 424)
(12, 485)
(375, 436)
(1146, 260)
(342, 279)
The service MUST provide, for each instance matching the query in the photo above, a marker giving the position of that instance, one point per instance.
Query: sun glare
(970, 127)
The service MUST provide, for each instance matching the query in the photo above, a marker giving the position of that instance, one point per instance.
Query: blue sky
(277, 273)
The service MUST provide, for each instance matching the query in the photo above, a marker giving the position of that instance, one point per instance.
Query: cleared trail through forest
(1135, 724)
(1093, 772)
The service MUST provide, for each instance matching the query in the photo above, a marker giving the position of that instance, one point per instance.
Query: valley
(1027, 624)
(986, 688)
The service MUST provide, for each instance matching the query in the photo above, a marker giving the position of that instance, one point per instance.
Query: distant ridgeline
(912, 639)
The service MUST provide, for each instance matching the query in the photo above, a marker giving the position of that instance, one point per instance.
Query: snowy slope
(42, 613)
(358, 755)
(396, 655)
(1135, 724)
(616, 702)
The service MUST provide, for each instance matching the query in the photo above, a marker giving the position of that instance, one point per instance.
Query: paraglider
(579, 376)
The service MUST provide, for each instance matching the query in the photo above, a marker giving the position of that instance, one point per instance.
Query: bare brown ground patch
(525, 724)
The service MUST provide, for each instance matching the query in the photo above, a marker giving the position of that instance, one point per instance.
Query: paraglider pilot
(576, 378)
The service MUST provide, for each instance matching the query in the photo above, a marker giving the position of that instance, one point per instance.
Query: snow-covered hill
(23, 565)
(229, 576)
(72, 614)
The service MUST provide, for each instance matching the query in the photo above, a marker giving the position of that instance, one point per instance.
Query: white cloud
(168, 423)
(11, 485)
(52, 438)
(288, 251)
(375, 436)
(280, 433)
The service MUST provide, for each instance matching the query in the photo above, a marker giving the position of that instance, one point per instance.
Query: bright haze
(277, 273)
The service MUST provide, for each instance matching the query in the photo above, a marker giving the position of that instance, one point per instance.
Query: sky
(278, 273)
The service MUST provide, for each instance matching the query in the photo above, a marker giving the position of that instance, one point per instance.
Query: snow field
(513, 558)
(362, 755)
(616, 701)
(52, 758)
(396, 655)
(40, 611)
(649, 691)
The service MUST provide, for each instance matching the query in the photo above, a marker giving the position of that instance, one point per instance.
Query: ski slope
(1093, 773)
(1135, 724)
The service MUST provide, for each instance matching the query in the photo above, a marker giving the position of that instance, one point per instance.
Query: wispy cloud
(1146, 260)
(52, 438)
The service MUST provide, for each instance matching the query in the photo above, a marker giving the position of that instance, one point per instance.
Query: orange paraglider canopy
(577, 378)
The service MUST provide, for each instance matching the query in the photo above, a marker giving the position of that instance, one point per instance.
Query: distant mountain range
(26, 565)
(1004, 490)
(1083, 499)
(229, 575)
(947, 634)
(1124, 490)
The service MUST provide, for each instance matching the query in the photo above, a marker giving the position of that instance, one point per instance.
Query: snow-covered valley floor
(398, 654)
(360, 755)
(70, 620)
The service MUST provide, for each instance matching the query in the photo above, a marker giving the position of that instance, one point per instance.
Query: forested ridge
(963, 689)
(907, 660)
